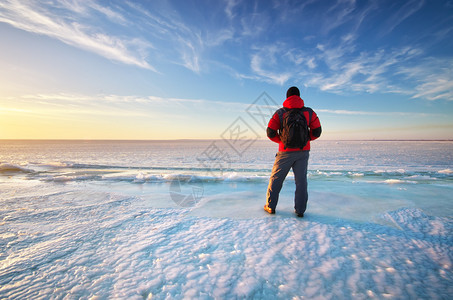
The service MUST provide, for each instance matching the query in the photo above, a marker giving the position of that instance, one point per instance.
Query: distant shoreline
(207, 140)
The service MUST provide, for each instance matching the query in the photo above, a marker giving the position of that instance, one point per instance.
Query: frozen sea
(185, 219)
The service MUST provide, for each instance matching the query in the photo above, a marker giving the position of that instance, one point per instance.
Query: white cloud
(433, 79)
(348, 71)
(109, 13)
(180, 42)
(437, 89)
(341, 64)
(230, 4)
(338, 63)
(345, 77)
(6, 110)
(257, 63)
(190, 55)
(116, 104)
(340, 13)
(299, 57)
(334, 57)
(373, 113)
(404, 12)
(311, 63)
(33, 17)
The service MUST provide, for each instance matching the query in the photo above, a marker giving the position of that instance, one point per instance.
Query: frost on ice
(86, 243)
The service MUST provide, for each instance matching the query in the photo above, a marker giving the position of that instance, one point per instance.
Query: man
(287, 158)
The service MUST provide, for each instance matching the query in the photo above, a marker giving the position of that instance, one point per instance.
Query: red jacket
(313, 124)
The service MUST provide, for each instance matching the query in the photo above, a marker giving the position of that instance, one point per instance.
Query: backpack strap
(310, 113)
(280, 112)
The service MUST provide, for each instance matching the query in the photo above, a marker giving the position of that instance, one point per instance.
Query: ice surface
(86, 220)
(78, 242)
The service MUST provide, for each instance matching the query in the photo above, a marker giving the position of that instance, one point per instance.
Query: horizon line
(205, 139)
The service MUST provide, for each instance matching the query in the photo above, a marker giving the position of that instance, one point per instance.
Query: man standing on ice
(287, 128)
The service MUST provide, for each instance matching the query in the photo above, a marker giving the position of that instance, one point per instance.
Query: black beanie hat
(292, 91)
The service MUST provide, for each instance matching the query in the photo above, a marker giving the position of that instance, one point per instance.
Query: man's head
(292, 91)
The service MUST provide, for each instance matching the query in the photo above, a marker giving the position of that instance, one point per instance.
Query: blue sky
(188, 69)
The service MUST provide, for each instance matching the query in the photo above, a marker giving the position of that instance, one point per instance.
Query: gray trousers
(284, 161)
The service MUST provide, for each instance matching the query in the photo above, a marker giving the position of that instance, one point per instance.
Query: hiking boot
(269, 210)
(300, 215)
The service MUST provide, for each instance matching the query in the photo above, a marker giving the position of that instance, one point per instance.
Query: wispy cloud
(339, 69)
(159, 34)
(321, 46)
(257, 65)
(373, 113)
(230, 4)
(342, 62)
(177, 42)
(102, 104)
(181, 42)
(362, 72)
(37, 18)
(339, 13)
(401, 14)
(5, 110)
(433, 78)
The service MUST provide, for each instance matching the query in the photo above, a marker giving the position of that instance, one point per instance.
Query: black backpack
(294, 129)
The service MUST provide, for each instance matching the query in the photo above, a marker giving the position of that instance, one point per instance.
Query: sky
(120, 69)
